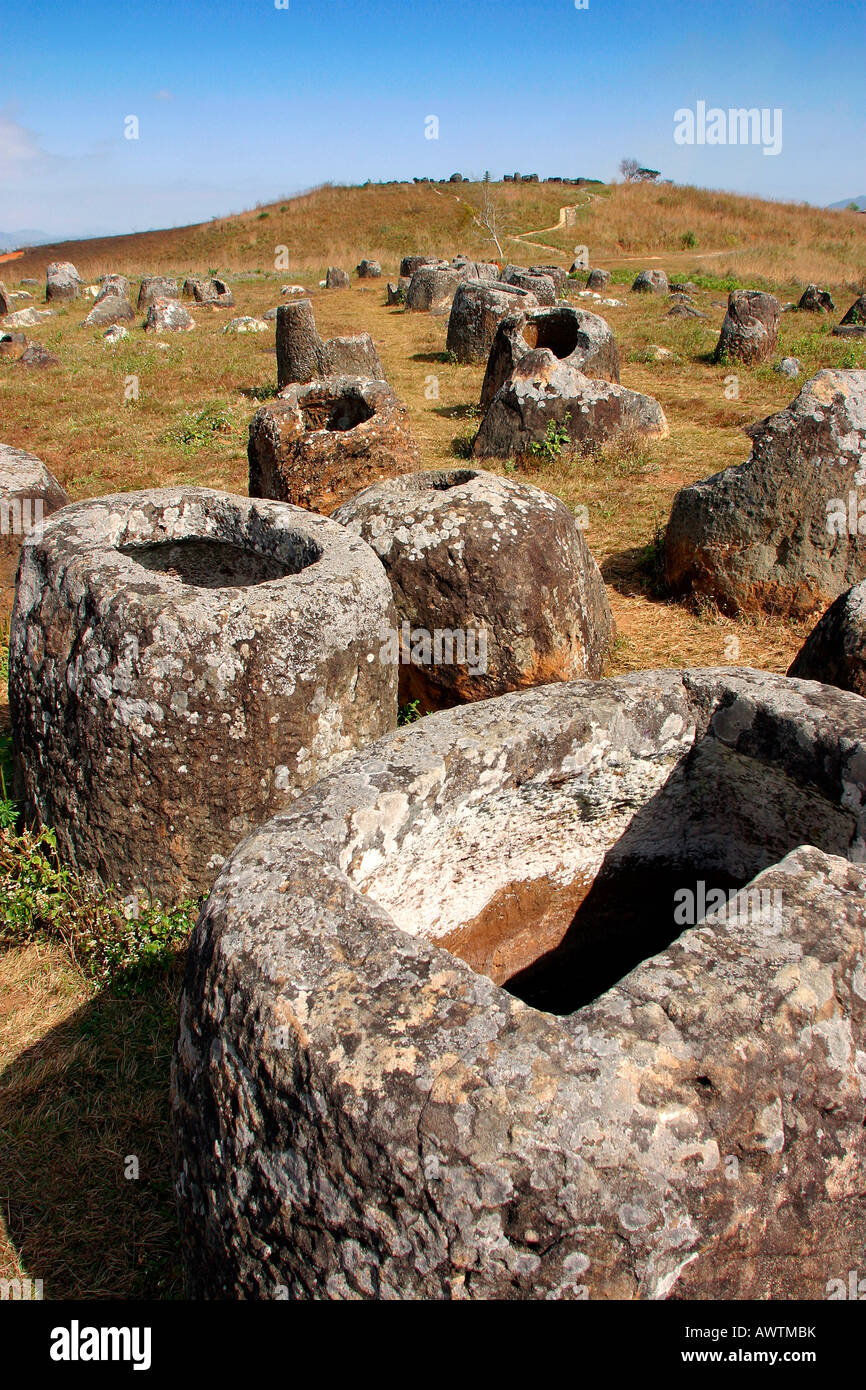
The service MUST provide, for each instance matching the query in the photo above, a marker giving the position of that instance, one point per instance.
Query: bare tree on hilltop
(633, 172)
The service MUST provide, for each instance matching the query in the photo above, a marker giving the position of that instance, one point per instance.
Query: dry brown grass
(83, 1086)
(84, 1075)
(787, 243)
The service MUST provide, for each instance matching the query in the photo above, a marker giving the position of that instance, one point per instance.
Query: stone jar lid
(361, 1113)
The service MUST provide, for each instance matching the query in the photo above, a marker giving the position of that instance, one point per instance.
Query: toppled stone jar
(182, 663)
(559, 995)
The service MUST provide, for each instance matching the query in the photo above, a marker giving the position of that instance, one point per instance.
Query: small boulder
(835, 650)
(369, 270)
(598, 279)
(62, 281)
(682, 309)
(35, 355)
(113, 287)
(168, 316)
(651, 282)
(789, 366)
(27, 318)
(155, 287)
(215, 293)
(857, 313)
(816, 301)
(750, 332)
(337, 279)
(246, 324)
(849, 330)
(115, 334)
(500, 568)
(112, 309)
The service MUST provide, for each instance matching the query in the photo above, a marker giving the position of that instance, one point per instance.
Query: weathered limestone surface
(113, 287)
(542, 389)
(362, 1111)
(786, 530)
(110, 309)
(478, 309)
(750, 331)
(303, 356)
(598, 279)
(575, 336)
(155, 287)
(62, 281)
(835, 650)
(318, 443)
(168, 316)
(432, 288)
(542, 286)
(213, 292)
(651, 282)
(182, 663)
(29, 493)
(501, 563)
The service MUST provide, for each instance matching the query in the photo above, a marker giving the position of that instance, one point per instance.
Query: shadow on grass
(639, 571)
(74, 1109)
(443, 358)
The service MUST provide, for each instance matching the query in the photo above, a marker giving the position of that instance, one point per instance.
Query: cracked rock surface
(363, 1111)
(318, 443)
(502, 564)
(541, 390)
(835, 650)
(182, 663)
(786, 530)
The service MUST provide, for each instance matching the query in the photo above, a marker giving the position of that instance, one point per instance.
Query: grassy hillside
(785, 243)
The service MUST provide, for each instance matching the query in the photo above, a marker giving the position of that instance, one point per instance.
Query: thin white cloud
(163, 95)
(18, 145)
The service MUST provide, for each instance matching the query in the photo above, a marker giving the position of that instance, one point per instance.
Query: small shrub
(651, 563)
(408, 713)
(688, 240)
(461, 444)
(194, 431)
(556, 437)
(42, 896)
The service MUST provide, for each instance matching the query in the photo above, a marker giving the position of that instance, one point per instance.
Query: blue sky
(239, 101)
